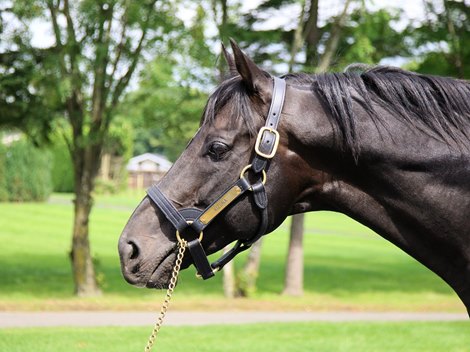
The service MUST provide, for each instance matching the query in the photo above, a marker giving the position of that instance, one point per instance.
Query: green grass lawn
(346, 266)
(318, 337)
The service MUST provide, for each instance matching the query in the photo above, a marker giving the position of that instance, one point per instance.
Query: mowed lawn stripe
(269, 337)
(347, 266)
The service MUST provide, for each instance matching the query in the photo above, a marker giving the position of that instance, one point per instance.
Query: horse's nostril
(135, 269)
(134, 250)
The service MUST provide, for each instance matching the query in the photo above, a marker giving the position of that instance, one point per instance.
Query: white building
(146, 169)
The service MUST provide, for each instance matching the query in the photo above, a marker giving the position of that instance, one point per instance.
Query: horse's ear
(230, 61)
(255, 79)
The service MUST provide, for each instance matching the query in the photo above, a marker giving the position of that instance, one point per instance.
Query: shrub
(25, 172)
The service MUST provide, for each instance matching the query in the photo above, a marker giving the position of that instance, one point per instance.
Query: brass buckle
(178, 236)
(260, 137)
(246, 168)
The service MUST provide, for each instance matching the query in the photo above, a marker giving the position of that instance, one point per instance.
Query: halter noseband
(197, 220)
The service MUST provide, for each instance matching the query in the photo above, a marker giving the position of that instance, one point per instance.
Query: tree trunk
(455, 54)
(298, 37)
(293, 283)
(82, 262)
(96, 79)
(249, 275)
(228, 277)
(333, 41)
(222, 28)
(311, 34)
(105, 169)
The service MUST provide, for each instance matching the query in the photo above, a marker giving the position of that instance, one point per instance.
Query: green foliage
(26, 172)
(62, 168)
(79, 79)
(119, 140)
(441, 42)
(21, 102)
(165, 114)
(363, 38)
(119, 145)
(106, 186)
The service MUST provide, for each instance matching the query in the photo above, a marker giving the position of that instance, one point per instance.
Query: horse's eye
(217, 151)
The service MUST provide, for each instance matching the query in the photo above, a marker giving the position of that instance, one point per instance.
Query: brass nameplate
(220, 205)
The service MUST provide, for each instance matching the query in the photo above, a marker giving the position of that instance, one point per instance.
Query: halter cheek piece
(196, 220)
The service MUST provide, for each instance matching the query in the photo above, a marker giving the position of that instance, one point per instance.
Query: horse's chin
(161, 275)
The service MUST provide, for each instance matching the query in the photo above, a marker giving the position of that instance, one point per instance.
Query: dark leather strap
(200, 259)
(261, 201)
(277, 102)
(259, 194)
(199, 224)
(171, 213)
(229, 255)
(197, 220)
(267, 142)
(184, 218)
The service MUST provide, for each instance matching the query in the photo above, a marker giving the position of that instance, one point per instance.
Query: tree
(97, 48)
(246, 279)
(164, 113)
(333, 40)
(21, 92)
(294, 273)
(440, 41)
(362, 38)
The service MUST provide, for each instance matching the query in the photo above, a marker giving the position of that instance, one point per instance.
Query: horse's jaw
(146, 253)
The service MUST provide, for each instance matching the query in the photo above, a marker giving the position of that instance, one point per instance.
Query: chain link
(171, 287)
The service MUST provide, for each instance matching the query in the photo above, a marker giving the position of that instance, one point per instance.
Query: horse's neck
(424, 212)
(408, 187)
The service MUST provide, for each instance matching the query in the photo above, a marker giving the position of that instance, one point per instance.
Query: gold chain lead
(169, 293)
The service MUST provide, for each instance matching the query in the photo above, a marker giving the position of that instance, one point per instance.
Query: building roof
(149, 162)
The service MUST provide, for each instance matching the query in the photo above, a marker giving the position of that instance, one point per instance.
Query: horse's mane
(437, 104)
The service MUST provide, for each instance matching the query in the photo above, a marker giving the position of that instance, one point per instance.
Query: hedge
(25, 172)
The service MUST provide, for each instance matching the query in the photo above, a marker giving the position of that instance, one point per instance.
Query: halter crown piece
(196, 220)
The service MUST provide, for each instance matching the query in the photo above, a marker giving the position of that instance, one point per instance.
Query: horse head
(215, 181)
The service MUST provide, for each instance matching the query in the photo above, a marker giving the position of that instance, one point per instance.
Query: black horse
(387, 147)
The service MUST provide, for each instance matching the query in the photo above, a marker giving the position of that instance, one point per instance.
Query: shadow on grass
(50, 276)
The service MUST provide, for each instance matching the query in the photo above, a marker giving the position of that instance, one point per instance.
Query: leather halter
(197, 220)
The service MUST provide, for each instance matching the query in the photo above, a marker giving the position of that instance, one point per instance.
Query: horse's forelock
(231, 94)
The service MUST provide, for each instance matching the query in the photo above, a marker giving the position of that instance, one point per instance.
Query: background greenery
(319, 337)
(347, 266)
(24, 172)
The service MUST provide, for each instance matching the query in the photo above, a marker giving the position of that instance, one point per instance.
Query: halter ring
(214, 270)
(178, 236)
(246, 168)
